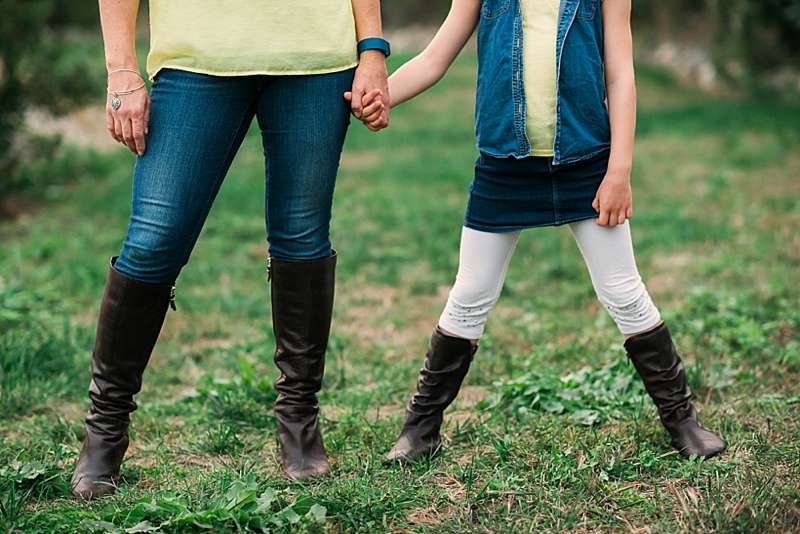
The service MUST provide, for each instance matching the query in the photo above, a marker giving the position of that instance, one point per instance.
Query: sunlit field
(552, 431)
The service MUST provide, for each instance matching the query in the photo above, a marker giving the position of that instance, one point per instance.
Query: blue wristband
(374, 43)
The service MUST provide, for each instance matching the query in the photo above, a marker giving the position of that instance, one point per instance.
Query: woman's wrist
(122, 80)
(372, 56)
(126, 62)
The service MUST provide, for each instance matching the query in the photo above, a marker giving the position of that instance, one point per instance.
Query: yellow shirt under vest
(539, 33)
(237, 38)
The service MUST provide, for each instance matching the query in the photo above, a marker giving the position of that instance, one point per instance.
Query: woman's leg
(303, 122)
(483, 263)
(608, 253)
(197, 123)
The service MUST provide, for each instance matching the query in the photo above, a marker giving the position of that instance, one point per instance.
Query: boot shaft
(131, 316)
(302, 307)
(657, 361)
(302, 304)
(446, 364)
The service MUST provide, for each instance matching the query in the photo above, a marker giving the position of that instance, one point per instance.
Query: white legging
(608, 253)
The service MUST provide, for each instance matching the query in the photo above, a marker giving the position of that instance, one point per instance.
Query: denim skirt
(509, 194)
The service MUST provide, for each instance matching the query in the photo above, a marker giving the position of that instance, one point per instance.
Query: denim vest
(582, 125)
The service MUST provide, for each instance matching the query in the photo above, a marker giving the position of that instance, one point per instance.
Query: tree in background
(758, 35)
(48, 62)
(746, 38)
(44, 64)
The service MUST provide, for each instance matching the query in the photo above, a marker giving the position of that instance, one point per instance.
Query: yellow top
(232, 38)
(540, 27)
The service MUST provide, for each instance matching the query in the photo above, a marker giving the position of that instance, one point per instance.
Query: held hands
(373, 113)
(614, 199)
(128, 123)
(369, 98)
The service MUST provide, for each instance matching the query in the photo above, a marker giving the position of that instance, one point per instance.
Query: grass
(552, 431)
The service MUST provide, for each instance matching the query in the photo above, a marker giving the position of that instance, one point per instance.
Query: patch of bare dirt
(367, 314)
(469, 396)
(335, 412)
(15, 206)
(666, 271)
(359, 160)
(430, 515)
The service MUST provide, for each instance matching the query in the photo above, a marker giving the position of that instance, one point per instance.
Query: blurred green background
(50, 58)
(552, 431)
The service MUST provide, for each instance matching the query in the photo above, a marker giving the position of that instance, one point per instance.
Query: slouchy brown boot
(302, 304)
(131, 316)
(658, 363)
(446, 364)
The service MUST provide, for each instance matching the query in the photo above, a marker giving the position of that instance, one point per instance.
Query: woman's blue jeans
(197, 123)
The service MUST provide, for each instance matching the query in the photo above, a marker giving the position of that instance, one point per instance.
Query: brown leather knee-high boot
(302, 305)
(446, 364)
(131, 316)
(659, 365)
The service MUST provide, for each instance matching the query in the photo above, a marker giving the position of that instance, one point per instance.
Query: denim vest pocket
(587, 9)
(492, 9)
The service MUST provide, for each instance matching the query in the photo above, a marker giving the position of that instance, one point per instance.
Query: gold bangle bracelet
(124, 92)
(134, 71)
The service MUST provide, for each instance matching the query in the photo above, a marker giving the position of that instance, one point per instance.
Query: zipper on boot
(172, 299)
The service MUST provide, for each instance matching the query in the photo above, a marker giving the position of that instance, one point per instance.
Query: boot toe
(89, 488)
(699, 441)
(400, 451)
(310, 470)
(406, 451)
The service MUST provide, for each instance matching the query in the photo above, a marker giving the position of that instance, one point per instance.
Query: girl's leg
(608, 253)
(197, 123)
(483, 263)
(303, 122)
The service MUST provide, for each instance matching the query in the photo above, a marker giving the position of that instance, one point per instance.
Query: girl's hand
(614, 199)
(373, 110)
(129, 123)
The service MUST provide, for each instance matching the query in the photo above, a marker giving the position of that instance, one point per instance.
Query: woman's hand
(129, 123)
(372, 111)
(614, 199)
(371, 75)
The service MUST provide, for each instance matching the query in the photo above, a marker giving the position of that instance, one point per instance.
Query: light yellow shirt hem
(257, 72)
